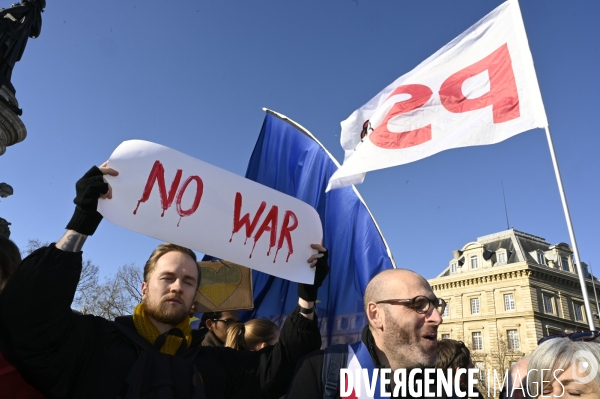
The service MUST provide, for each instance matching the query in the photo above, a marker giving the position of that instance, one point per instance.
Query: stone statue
(17, 24)
(5, 191)
(4, 229)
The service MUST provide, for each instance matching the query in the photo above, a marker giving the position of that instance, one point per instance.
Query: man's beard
(165, 313)
(403, 348)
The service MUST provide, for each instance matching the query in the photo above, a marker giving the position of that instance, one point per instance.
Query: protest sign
(173, 197)
(224, 286)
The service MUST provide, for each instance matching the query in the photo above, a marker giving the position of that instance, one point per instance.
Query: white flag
(481, 88)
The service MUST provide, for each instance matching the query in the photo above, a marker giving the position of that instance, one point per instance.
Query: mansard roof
(519, 247)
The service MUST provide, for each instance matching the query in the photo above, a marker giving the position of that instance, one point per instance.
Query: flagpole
(595, 295)
(561, 190)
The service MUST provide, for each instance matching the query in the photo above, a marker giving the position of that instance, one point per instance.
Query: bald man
(403, 318)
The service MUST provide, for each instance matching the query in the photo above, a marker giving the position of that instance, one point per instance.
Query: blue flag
(289, 159)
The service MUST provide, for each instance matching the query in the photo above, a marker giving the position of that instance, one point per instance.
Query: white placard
(165, 194)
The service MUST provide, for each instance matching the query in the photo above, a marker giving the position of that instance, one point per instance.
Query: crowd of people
(154, 353)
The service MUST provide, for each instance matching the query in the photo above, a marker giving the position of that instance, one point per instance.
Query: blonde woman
(252, 335)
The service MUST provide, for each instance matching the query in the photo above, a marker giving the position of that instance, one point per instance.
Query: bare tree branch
(89, 272)
(498, 357)
(89, 276)
(116, 296)
(32, 245)
(131, 279)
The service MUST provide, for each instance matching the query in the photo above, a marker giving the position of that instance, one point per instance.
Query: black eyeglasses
(419, 304)
(227, 322)
(584, 336)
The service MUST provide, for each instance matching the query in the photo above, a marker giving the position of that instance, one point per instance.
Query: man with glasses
(403, 317)
(217, 324)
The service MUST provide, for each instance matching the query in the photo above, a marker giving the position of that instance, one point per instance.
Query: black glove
(309, 292)
(86, 218)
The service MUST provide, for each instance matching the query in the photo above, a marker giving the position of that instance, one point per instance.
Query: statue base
(4, 229)
(12, 129)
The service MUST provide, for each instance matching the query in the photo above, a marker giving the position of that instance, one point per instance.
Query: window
(453, 267)
(481, 367)
(475, 306)
(474, 264)
(501, 258)
(446, 311)
(564, 262)
(445, 336)
(477, 342)
(553, 331)
(509, 302)
(578, 311)
(338, 324)
(548, 304)
(540, 258)
(513, 339)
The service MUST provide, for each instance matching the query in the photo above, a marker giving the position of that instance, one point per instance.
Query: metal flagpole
(586, 301)
(595, 295)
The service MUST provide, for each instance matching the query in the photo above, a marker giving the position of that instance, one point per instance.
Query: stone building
(507, 290)
(347, 329)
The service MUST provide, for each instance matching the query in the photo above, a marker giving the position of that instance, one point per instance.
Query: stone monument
(5, 191)
(17, 24)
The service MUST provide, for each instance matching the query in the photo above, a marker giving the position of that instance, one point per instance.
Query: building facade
(506, 291)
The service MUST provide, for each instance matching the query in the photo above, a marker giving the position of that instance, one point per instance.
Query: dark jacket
(64, 354)
(308, 380)
(210, 339)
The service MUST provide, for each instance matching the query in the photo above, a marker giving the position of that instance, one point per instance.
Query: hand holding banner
(173, 197)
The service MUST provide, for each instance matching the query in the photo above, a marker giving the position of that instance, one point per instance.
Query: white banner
(173, 197)
(481, 88)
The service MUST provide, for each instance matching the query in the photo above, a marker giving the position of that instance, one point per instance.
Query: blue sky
(194, 75)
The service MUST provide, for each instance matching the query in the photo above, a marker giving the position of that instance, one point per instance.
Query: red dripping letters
(239, 223)
(269, 224)
(254, 226)
(502, 96)
(157, 175)
(285, 233)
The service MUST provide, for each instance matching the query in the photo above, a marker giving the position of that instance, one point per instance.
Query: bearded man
(153, 353)
(403, 317)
